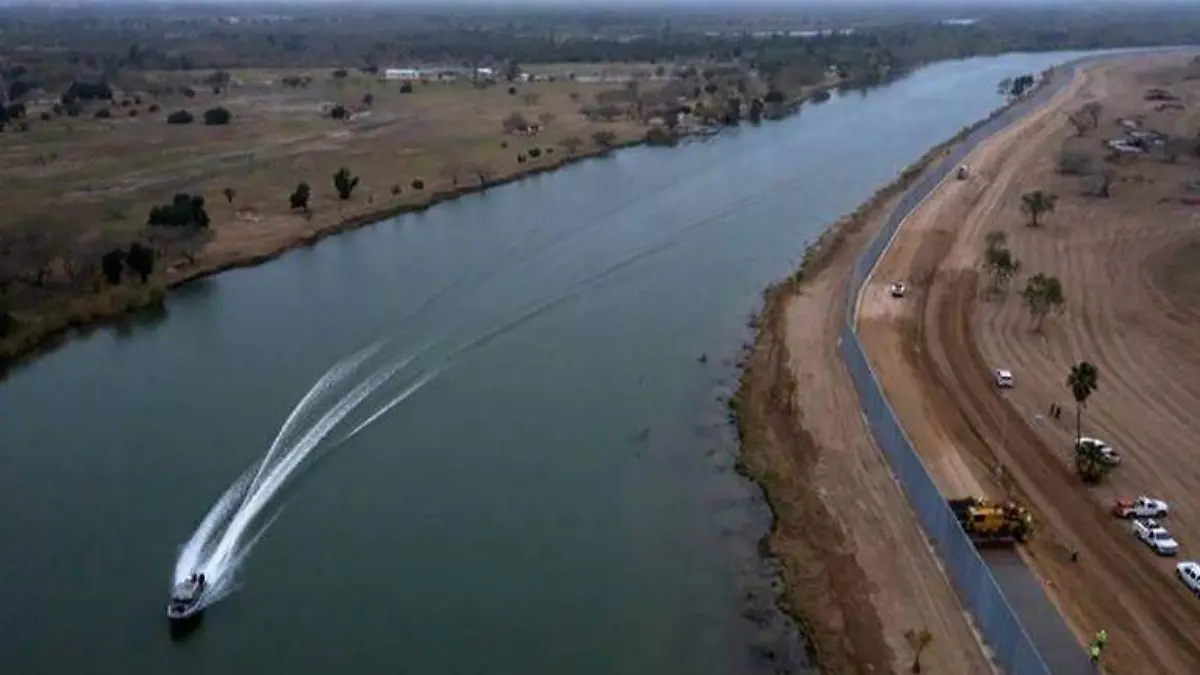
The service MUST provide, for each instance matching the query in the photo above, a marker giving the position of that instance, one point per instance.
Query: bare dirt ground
(1128, 265)
(857, 567)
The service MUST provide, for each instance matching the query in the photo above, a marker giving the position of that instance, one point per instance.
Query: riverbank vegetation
(139, 149)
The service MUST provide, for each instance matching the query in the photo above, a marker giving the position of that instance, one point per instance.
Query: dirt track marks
(1125, 315)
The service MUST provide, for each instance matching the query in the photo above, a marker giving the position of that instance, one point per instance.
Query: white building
(402, 74)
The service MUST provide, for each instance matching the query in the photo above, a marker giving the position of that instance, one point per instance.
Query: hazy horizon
(627, 4)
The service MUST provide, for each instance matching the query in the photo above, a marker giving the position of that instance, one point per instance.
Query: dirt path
(934, 354)
(856, 564)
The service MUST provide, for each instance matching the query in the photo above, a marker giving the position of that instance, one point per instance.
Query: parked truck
(989, 523)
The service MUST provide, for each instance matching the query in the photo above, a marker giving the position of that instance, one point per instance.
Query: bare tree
(1074, 163)
(451, 171)
(1104, 181)
(515, 122)
(1086, 119)
(604, 138)
(482, 173)
(571, 144)
(1173, 147)
(169, 243)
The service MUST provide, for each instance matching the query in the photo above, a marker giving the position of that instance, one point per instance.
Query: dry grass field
(77, 186)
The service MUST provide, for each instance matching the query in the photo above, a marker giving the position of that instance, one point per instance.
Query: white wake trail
(334, 375)
(228, 532)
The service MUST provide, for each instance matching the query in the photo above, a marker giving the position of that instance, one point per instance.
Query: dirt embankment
(858, 571)
(1128, 310)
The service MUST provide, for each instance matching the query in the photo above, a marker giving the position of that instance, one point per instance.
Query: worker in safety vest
(1102, 638)
(1094, 653)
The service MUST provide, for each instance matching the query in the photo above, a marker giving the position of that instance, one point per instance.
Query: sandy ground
(1128, 265)
(857, 567)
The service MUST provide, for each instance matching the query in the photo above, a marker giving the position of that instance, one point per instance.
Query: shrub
(185, 210)
(133, 112)
(535, 152)
(46, 116)
(604, 138)
(418, 184)
(339, 112)
(299, 198)
(515, 122)
(406, 88)
(1074, 163)
(87, 91)
(340, 73)
(512, 91)
(344, 182)
(180, 117)
(396, 190)
(660, 136)
(217, 116)
(102, 114)
(153, 108)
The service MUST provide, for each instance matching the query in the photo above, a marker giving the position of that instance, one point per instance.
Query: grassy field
(76, 187)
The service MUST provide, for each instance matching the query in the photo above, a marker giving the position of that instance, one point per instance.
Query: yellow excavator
(990, 523)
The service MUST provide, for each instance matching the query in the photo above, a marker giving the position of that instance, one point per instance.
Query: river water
(560, 498)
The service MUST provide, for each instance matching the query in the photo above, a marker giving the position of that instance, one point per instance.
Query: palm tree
(1036, 203)
(1090, 461)
(1083, 381)
(918, 641)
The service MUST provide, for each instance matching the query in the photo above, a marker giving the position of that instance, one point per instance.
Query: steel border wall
(1001, 628)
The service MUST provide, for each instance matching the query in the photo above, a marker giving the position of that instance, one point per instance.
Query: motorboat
(185, 598)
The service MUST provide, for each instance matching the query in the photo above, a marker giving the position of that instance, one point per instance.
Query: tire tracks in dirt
(938, 382)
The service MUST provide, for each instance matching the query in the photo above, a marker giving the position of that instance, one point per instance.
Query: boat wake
(243, 513)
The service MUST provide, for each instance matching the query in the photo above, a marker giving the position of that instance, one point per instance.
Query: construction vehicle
(992, 523)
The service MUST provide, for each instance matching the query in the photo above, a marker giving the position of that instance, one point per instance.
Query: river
(560, 498)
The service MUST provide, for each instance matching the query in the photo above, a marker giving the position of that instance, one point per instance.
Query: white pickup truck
(1107, 454)
(1155, 536)
(1142, 507)
(1189, 574)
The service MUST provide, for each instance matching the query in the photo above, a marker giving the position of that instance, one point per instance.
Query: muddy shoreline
(779, 455)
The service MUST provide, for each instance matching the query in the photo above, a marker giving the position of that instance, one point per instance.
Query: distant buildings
(436, 73)
(402, 74)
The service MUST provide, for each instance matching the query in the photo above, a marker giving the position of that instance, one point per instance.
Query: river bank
(248, 237)
(116, 303)
(857, 571)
